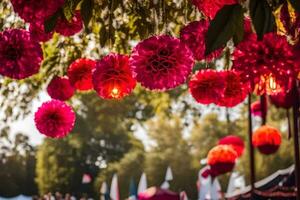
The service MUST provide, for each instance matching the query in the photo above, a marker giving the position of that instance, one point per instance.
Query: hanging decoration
(207, 86)
(267, 139)
(236, 142)
(20, 55)
(221, 159)
(256, 108)
(268, 65)
(235, 91)
(210, 7)
(112, 78)
(283, 99)
(36, 11)
(80, 73)
(193, 35)
(60, 88)
(37, 31)
(69, 28)
(161, 62)
(54, 119)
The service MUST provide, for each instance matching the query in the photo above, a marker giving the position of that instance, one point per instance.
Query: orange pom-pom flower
(221, 159)
(267, 139)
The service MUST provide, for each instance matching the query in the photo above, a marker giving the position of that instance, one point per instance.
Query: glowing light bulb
(272, 83)
(115, 92)
(267, 85)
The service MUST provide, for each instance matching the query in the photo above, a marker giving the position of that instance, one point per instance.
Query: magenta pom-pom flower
(210, 7)
(207, 86)
(193, 35)
(36, 10)
(54, 119)
(235, 90)
(112, 77)
(37, 32)
(269, 65)
(257, 109)
(283, 100)
(60, 88)
(20, 55)
(80, 73)
(69, 28)
(161, 62)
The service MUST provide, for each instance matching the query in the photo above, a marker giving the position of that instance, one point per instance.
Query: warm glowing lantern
(268, 85)
(267, 139)
(221, 159)
(236, 142)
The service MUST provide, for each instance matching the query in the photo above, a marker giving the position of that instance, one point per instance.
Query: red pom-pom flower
(20, 55)
(267, 139)
(283, 99)
(236, 142)
(80, 73)
(36, 11)
(210, 7)
(54, 119)
(161, 62)
(60, 88)
(269, 65)
(37, 31)
(193, 35)
(69, 28)
(221, 159)
(235, 90)
(112, 77)
(207, 86)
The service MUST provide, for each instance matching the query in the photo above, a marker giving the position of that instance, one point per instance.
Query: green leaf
(228, 23)
(50, 23)
(86, 11)
(295, 4)
(262, 17)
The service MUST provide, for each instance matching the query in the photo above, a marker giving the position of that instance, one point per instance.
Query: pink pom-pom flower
(60, 88)
(161, 62)
(193, 35)
(20, 55)
(207, 86)
(36, 10)
(66, 28)
(112, 77)
(80, 73)
(210, 7)
(54, 119)
(236, 142)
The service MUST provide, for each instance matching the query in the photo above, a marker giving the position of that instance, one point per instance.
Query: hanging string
(111, 3)
(289, 124)
(165, 17)
(185, 11)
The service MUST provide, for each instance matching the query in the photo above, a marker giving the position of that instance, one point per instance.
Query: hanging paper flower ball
(283, 99)
(66, 28)
(207, 86)
(161, 62)
(38, 33)
(20, 55)
(236, 142)
(235, 90)
(80, 73)
(36, 11)
(193, 35)
(210, 7)
(113, 77)
(60, 88)
(221, 159)
(54, 119)
(269, 65)
(256, 108)
(267, 139)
